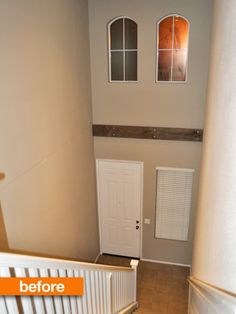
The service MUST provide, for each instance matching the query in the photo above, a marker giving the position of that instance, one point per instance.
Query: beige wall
(48, 196)
(215, 242)
(150, 104)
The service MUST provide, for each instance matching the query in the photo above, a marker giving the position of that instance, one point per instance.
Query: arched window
(172, 50)
(122, 42)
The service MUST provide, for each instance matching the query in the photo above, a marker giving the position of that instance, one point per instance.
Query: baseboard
(129, 309)
(96, 259)
(163, 262)
(151, 260)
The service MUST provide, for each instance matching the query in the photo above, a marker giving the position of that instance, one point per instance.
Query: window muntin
(172, 50)
(122, 42)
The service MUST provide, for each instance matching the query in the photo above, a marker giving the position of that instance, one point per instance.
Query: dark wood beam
(146, 132)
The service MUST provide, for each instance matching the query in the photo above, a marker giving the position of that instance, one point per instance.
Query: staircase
(107, 289)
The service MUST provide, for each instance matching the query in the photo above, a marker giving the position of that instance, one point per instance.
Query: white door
(119, 186)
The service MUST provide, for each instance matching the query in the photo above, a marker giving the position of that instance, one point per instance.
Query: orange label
(41, 286)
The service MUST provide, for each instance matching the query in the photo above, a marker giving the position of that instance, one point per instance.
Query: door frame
(141, 163)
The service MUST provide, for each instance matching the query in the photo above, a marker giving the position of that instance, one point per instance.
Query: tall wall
(151, 104)
(48, 197)
(214, 247)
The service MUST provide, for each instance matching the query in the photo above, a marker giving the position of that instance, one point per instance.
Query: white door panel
(120, 201)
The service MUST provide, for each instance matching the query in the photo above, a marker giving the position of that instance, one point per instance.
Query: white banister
(27, 261)
(107, 289)
(209, 299)
(194, 281)
(134, 265)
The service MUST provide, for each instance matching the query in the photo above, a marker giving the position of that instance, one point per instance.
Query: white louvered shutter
(173, 203)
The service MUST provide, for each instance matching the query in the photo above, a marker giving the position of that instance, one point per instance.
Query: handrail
(27, 261)
(194, 281)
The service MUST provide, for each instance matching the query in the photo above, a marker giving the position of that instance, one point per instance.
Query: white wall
(215, 240)
(48, 197)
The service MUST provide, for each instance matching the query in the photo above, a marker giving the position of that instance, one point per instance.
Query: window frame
(172, 49)
(121, 50)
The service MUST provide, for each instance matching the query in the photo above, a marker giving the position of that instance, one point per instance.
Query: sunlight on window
(172, 50)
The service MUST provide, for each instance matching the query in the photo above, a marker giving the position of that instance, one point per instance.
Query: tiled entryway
(162, 289)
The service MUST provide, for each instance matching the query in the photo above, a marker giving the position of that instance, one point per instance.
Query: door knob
(137, 227)
(137, 221)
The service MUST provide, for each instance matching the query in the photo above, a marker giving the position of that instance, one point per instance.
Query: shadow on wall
(3, 234)
(4, 247)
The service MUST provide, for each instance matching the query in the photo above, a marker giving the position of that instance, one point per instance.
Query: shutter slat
(173, 203)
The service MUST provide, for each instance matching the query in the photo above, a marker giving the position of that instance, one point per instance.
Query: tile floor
(162, 289)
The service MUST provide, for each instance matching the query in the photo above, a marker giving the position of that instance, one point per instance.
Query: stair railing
(107, 289)
(205, 298)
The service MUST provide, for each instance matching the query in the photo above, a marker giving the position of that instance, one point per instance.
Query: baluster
(57, 299)
(79, 298)
(108, 292)
(3, 306)
(88, 291)
(72, 299)
(9, 301)
(65, 299)
(26, 301)
(38, 300)
(47, 299)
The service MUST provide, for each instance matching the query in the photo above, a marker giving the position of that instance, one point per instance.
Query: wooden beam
(144, 132)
